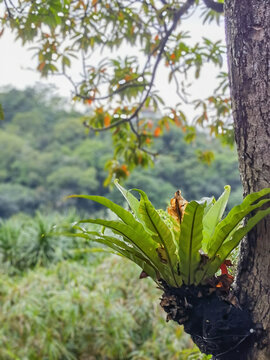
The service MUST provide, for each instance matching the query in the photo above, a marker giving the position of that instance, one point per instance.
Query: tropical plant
(182, 250)
(185, 246)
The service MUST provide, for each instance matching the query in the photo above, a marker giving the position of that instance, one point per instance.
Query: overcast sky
(16, 62)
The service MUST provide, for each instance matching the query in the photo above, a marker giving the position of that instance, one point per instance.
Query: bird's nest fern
(182, 250)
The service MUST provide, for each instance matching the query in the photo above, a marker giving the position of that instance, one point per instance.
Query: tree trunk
(248, 42)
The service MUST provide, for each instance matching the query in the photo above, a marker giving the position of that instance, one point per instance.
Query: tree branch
(122, 88)
(211, 4)
(117, 123)
(183, 9)
(8, 10)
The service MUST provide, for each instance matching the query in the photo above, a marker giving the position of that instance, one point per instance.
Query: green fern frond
(185, 246)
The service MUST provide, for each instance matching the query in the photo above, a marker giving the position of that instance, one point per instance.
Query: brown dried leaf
(177, 207)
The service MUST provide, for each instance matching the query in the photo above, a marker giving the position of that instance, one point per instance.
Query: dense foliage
(65, 306)
(45, 155)
(186, 245)
(119, 47)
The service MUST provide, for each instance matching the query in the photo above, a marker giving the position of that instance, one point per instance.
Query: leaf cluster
(185, 247)
(116, 90)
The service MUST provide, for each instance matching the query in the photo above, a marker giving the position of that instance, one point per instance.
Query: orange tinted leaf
(153, 49)
(127, 77)
(94, 4)
(156, 38)
(100, 110)
(41, 66)
(173, 56)
(125, 169)
(177, 122)
(148, 141)
(88, 101)
(107, 121)
(157, 131)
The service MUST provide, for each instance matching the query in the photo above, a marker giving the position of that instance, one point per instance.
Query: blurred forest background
(61, 298)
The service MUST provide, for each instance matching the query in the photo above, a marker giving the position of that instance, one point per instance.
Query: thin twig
(139, 136)
(117, 123)
(122, 88)
(8, 10)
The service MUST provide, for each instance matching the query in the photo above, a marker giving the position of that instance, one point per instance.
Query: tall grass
(27, 242)
(58, 301)
(70, 311)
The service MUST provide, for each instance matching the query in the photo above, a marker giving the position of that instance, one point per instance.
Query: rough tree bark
(248, 41)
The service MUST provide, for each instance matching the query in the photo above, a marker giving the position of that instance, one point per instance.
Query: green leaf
(190, 241)
(233, 242)
(232, 220)
(123, 214)
(131, 199)
(226, 229)
(208, 201)
(162, 235)
(214, 215)
(140, 240)
(124, 250)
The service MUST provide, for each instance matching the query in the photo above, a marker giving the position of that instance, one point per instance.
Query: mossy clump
(213, 318)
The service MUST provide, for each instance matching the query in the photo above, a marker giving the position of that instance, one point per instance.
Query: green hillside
(46, 154)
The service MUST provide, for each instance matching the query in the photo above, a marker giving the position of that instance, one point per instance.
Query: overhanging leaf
(141, 241)
(119, 247)
(123, 214)
(131, 199)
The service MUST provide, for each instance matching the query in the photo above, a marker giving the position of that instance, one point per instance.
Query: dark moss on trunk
(216, 325)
